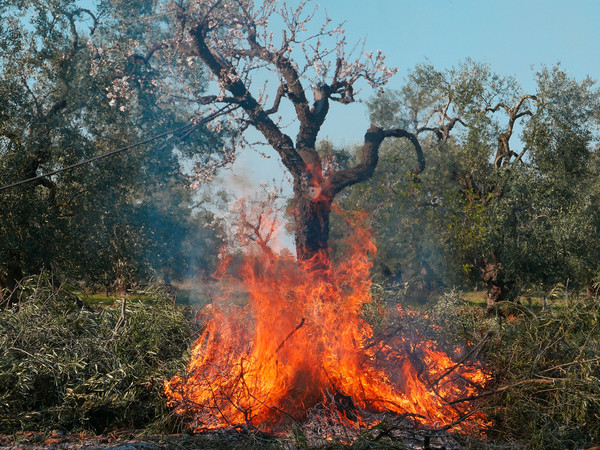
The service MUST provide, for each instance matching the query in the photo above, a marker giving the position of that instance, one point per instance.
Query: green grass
(533, 300)
(103, 300)
(97, 299)
(474, 297)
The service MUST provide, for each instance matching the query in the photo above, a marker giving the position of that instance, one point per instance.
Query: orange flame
(301, 341)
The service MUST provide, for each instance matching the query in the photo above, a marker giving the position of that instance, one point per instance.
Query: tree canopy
(514, 219)
(120, 219)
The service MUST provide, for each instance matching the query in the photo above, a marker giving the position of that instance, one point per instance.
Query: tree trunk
(431, 280)
(496, 287)
(311, 216)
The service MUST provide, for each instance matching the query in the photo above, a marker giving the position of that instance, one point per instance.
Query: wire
(96, 158)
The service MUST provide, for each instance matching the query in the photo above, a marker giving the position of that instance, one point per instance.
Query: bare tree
(234, 41)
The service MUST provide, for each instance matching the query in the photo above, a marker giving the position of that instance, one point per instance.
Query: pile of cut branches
(64, 365)
(546, 365)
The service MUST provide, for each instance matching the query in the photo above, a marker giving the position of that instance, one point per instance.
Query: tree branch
(504, 153)
(291, 76)
(417, 146)
(370, 156)
(229, 78)
(310, 119)
(281, 91)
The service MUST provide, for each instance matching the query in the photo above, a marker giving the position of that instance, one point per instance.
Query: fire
(301, 342)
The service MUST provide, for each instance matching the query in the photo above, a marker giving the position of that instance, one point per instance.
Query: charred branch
(470, 354)
(290, 334)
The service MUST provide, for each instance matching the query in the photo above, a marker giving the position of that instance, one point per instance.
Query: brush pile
(64, 365)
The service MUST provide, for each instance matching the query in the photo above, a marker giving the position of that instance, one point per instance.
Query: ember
(301, 342)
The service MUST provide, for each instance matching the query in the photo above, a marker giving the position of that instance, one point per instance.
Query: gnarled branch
(504, 153)
(370, 157)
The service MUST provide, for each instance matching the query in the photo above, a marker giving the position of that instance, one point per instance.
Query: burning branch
(471, 352)
(290, 335)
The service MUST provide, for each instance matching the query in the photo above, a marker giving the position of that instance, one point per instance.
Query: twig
(456, 422)
(560, 366)
(504, 388)
(467, 356)
(121, 318)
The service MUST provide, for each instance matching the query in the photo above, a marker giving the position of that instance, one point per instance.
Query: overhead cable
(96, 158)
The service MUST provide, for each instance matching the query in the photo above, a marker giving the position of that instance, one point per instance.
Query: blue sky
(512, 36)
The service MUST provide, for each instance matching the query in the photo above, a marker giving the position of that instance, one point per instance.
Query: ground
(390, 438)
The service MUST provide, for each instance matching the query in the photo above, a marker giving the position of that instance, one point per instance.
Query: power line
(96, 158)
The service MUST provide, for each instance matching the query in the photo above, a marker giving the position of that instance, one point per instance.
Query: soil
(125, 440)
(220, 440)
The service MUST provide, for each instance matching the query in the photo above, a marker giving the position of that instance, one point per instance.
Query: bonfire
(301, 345)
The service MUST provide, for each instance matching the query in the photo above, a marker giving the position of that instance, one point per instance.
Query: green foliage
(121, 219)
(558, 351)
(66, 366)
(382, 297)
(533, 219)
(420, 224)
(542, 224)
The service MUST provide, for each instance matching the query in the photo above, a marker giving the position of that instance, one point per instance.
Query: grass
(474, 297)
(534, 298)
(96, 300)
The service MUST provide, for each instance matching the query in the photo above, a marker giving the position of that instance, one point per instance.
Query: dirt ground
(221, 440)
(125, 440)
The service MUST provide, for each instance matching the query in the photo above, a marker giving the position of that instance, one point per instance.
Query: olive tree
(517, 214)
(118, 219)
